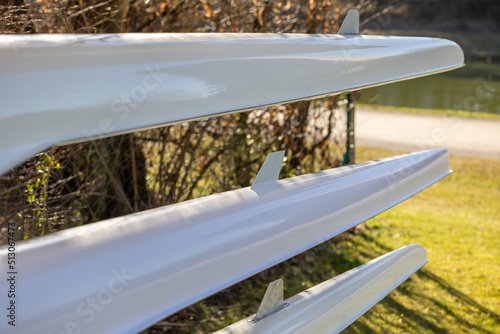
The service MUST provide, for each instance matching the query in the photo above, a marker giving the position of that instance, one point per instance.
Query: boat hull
(125, 274)
(333, 305)
(59, 89)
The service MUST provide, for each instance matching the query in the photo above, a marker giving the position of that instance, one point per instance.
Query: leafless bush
(79, 184)
(83, 183)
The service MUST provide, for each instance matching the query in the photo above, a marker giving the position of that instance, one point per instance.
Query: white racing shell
(333, 305)
(125, 274)
(59, 89)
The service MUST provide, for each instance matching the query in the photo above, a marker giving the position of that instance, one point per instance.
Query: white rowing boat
(333, 305)
(59, 89)
(124, 274)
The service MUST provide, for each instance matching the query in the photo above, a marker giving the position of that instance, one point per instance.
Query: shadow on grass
(433, 309)
(437, 308)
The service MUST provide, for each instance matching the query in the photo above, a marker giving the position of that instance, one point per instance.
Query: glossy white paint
(350, 24)
(57, 89)
(269, 173)
(333, 305)
(124, 274)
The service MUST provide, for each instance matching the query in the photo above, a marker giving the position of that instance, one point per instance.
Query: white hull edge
(333, 305)
(59, 89)
(176, 255)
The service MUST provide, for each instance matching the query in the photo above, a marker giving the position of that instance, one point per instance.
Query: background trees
(83, 183)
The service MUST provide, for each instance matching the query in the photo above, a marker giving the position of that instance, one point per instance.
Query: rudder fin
(270, 170)
(350, 26)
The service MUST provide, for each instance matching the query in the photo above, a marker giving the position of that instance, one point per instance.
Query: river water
(475, 87)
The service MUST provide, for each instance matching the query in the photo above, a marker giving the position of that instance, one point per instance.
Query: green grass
(457, 221)
(441, 112)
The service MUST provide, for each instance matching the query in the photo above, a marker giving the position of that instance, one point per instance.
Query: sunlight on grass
(457, 221)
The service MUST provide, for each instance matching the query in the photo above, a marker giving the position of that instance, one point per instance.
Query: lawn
(457, 220)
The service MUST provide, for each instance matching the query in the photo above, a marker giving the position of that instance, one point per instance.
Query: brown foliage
(82, 183)
(79, 184)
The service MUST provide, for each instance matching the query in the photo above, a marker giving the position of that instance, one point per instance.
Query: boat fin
(270, 170)
(350, 26)
(331, 306)
(272, 301)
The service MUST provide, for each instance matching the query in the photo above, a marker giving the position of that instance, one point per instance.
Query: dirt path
(405, 131)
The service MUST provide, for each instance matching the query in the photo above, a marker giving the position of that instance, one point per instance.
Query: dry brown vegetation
(78, 184)
(83, 183)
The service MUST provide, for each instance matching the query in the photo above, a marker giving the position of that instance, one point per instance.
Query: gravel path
(406, 131)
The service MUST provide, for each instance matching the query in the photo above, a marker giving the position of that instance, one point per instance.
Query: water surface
(475, 87)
